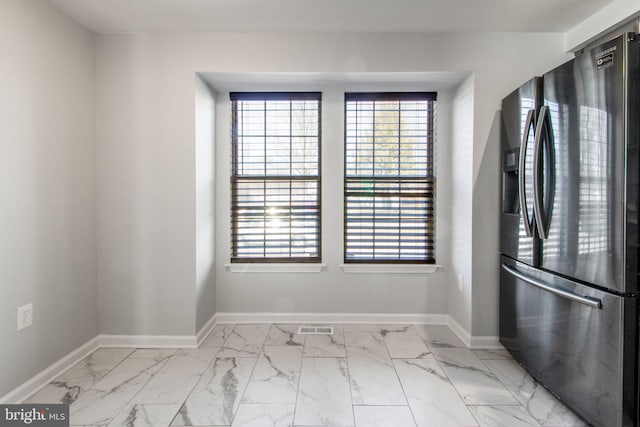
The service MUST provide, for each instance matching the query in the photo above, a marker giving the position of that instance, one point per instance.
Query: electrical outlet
(25, 316)
(460, 282)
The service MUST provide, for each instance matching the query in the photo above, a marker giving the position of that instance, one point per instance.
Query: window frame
(430, 237)
(235, 177)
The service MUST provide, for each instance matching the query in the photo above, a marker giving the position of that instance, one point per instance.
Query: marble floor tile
(361, 327)
(438, 336)
(364, 375)
(403, 342)
(218, 335)
(371, 341)
(153, 353)
(69, 386)
(372, 378)
(492, 354)
(383, 416)
(285, 335)
(545, 408)
(324, 397)
(173, 383)
(474, 381)
(245, 341)
(432, 398)
(276, 376)
(216, 397)
(325, 345)
(137, 415)
(257, 415)
(503, 416)
(105, 399)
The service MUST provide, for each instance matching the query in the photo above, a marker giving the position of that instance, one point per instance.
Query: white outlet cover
(25, 316)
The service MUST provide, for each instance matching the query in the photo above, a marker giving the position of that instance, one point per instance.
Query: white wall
(147, 169)
(146, 190)
(615, 14)
(486, 236)
(47, 187)
(459, 300)
(205, 203)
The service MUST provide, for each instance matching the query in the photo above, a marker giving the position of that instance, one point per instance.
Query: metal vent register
(315, 330)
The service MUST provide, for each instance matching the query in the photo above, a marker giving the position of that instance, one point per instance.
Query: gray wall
(459, 300)
(47, 187)
(147, 170)
(205, 203)
(486, 223)
(146, 195)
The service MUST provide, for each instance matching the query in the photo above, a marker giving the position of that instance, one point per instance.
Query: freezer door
(577, 341)
(517, 222)
(584, 169)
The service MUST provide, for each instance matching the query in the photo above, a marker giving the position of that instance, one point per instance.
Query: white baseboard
(384, 318)
(41, 379)
(487, 342)
(206, 329)
(473, 342)
(44, 377)
(148, 341)
(461, 332)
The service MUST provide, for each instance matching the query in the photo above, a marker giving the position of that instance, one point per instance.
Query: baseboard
(383, 318)
(148, 341)
(44, 377)
(206, 329)
(474, 342)
(486, 342)
(461, 332)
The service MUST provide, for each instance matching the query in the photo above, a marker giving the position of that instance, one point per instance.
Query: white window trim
(259, 267)
(390, 268)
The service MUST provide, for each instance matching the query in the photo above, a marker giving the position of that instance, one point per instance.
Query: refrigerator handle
(549, 193)
(586, 300)
(542, 225)
(528, 223)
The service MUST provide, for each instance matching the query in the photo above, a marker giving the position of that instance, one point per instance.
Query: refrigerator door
(585, 217)
(517, 230)
(577, 341)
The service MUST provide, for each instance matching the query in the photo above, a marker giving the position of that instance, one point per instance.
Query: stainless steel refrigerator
(569, 231)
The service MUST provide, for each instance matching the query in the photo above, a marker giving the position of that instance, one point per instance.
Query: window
(389, 182)
(275, 182)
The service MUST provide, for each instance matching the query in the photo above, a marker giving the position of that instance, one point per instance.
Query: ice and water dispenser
(510, 200)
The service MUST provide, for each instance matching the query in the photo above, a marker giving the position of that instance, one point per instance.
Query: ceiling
(116, 16)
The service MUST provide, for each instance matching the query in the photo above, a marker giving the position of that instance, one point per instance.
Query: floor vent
(315, 330)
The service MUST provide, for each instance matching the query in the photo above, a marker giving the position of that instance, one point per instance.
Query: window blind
(275, 182)
(389, 182)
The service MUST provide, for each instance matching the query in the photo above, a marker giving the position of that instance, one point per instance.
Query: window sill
(295, 267)
(390, 268)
